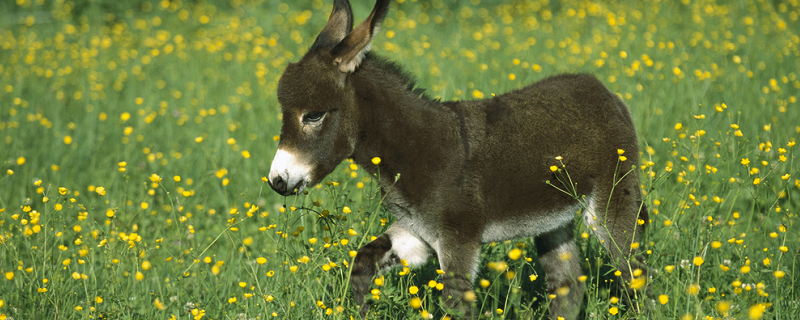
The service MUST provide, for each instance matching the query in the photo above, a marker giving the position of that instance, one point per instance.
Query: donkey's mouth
(282, 187)
(298, 188)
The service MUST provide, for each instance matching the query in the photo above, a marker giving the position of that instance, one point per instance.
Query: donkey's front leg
(459, 254)
(396, 244)
(365, 268)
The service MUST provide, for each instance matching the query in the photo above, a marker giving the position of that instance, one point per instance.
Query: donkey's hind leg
(560, 260)
(384, 252)
(616, 222)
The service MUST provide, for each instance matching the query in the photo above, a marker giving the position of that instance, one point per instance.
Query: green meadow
(135, 137)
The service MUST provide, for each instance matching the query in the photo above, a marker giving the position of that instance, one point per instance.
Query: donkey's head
(318, 101)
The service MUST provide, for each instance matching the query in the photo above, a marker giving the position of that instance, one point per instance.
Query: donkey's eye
(313, 116)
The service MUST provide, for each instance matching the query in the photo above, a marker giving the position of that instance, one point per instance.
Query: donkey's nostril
(278, 184)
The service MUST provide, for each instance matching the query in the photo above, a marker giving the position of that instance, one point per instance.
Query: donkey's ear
(350, 51)
(340, 23)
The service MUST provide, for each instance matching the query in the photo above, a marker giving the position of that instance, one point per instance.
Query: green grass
(182, 97)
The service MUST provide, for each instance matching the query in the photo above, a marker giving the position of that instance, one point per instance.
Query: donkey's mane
(396, 71)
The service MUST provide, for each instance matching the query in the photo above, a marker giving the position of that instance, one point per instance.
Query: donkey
(472, 172)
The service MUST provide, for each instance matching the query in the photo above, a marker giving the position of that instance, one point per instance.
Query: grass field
(135, 137)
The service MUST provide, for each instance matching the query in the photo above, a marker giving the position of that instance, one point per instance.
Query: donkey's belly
(527, 225)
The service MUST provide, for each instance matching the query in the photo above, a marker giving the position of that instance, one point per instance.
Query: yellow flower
(553, 168)
(756, 181)
(757, 311)
(669, 268)
(470, 296)
(638, 283)
(698, 261)
(613, 310)
(745, 269)
(663, 299)
(415, 303)
(514, 254)
(723, 307)
(693, 289)
(779, 274)
(620, 151)
(376, 160)
(159, 305)
(413, 289)
(261, 260)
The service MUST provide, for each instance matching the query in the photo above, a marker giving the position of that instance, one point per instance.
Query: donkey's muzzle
(281, 186)
(287, 175)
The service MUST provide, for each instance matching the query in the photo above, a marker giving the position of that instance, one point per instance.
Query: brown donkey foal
(471, 172)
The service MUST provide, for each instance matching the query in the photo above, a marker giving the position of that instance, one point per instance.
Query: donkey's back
(515, 139)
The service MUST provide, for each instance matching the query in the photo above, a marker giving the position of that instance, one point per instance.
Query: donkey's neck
(413, 135)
